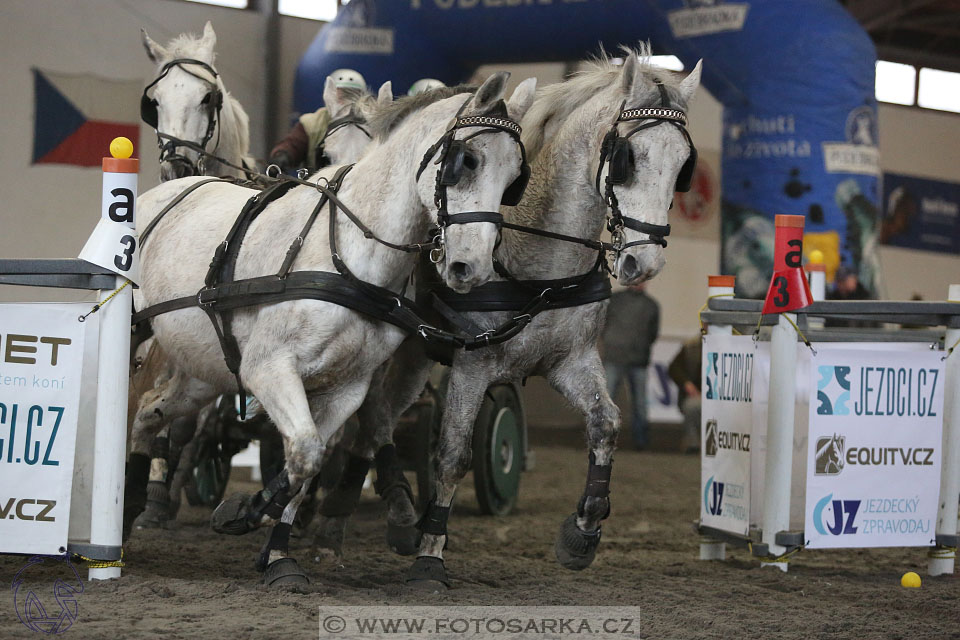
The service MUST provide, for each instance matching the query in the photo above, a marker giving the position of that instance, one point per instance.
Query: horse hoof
(575, 548)
(157, 513)
(403, 540)
(427, 574)
(284, 571)
(230, 516)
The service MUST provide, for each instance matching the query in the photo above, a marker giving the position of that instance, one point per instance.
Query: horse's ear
(630, 74)
(489, 92)
(688, 86)
(385, 95)
(522, 98)
(209, 39)
(331, 97)
(155, 52)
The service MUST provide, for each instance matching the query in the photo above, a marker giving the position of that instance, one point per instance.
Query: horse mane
(384, 118)
(560, 100)
(187, 45)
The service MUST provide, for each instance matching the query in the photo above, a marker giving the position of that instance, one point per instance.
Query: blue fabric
(55, 117)
(796, 80)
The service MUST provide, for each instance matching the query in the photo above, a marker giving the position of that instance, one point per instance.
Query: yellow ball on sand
(911, 580)
(121, 147)
(816, 256)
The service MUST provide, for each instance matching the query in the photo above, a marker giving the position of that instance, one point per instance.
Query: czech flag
(76, 117)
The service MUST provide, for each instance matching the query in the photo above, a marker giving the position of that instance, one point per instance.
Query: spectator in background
(633, 323)
(685, 371)
(847, 286)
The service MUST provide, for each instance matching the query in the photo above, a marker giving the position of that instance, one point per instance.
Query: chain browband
(657, 113)
(489, 121)
(444, 218)
(656, 234)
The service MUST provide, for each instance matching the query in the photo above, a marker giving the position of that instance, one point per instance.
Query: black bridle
(169, 144)
(616, 153)
(352, 119)
(452, 159)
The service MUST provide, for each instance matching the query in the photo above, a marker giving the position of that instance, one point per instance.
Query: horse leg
(393, 389)
(175, 397)
(328, 411)
(277, 385)
(403, 384)
(581, 381)
(188, 456)
(465, 392)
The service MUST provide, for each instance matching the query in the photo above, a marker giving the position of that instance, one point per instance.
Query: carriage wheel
(210, 475)
(211, 470)
(498, 450)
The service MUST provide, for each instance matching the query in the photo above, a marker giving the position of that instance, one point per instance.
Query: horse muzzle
(636, 265)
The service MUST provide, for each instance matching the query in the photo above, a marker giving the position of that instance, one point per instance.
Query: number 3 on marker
(125, 260)
(782, 298)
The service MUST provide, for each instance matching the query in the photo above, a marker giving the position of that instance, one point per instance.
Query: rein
(352, 119)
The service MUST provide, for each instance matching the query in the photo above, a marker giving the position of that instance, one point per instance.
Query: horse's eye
(207, 98)
(470, 161)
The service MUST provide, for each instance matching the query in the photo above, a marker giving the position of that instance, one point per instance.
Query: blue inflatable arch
(796, 80)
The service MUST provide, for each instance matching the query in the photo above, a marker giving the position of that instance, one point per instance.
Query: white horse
(188, 101)
(152, 505)
(309, 362)
(565, 132)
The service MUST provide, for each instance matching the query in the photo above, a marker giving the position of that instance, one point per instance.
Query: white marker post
(113, 245)
(942, 558)
(717, 286)
(781, 407)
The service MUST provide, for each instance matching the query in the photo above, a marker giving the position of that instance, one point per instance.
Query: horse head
(480, 164)
(184, 102)
(347, 134)
(645, 156)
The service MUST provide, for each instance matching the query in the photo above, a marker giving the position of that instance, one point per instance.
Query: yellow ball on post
(910, 580)
(816, 256)
(121, 147)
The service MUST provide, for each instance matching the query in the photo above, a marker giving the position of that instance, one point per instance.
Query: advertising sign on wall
(727, 393)
(873, 462)
(40, 377)
(921, 214)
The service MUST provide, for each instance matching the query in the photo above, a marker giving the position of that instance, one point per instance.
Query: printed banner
(662, 393)
(40, 377)
(873, 463)
(726, 421)
(921, 214)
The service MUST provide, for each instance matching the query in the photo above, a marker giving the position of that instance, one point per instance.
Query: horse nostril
(629, 266)
(461, 270)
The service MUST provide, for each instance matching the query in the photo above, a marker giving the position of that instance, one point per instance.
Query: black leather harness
(221, 294)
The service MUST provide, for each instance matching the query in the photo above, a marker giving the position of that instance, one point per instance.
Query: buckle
(207, 297)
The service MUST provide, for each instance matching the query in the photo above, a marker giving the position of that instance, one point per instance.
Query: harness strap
(591, 244)
(297, 244)
(507, 295)
(193, 146)
(222, 269)
(183, 194)
(467, 217)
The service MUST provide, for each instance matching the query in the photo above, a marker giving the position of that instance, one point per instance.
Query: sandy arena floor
(192, 583)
